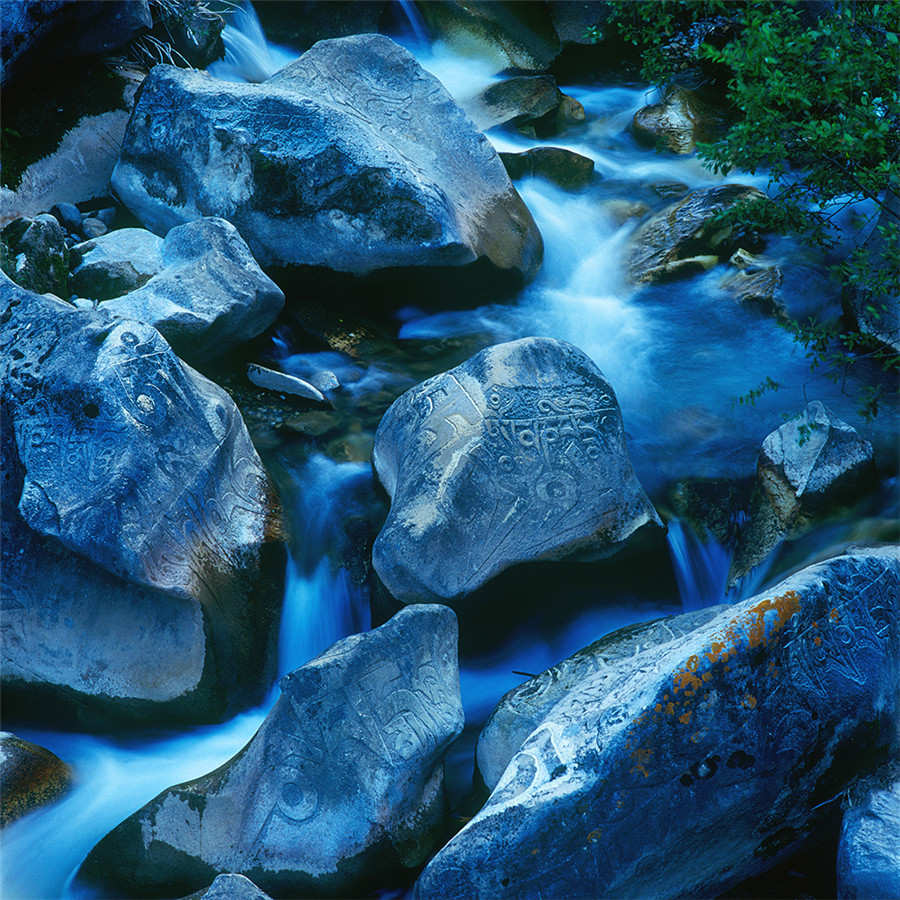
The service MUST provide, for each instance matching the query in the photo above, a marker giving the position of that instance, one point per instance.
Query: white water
(677, 357)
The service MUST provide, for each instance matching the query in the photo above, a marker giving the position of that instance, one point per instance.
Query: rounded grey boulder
(353, 158)
(30, 777)
(518, 454)
(342, 784)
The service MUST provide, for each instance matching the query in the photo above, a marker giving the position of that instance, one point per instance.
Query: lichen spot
(834, 615)
(685, 718)
(749, 701)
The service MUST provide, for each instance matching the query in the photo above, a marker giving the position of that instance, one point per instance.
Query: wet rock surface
(342, 784)
(676, 123)
(352, 157)
(868, 860)
(141, 559)
(209, 295)
(563, 167)
(30, 777)
(524, 708)
(35, 256)
(518, 454)
(532, 104)
(684, 231)
(719, 751)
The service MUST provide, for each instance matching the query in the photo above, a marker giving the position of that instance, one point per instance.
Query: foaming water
(321, 602)
(248, 54)
(40, 853)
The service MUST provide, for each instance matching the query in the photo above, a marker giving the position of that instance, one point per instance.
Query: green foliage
(815, 99)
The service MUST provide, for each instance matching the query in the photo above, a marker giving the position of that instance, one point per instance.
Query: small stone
(93, 228)
(272, 380)
(107, 215)
(68, 215)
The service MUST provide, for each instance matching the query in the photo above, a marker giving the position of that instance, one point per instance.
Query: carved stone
(341, 785)
(209, 296)
(142, 570)
(30, 777)
(353, 157)
(609, 660)
(714, 759)
(517, 454)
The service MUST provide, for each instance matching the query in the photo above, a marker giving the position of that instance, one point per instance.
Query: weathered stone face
(209, 296)
(134, 501)
(30, 776)
(353, 157)
(517, 454)
(609, 660)
(116, 263)
(342, 783)
(683, 232)
(709, 761)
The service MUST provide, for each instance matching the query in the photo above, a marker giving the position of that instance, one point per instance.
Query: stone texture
(517, 454)
(230, 887)
(753, 280)
(341, 785)
(565, 168)
(142, 571)
(531, 103)
(684, 230)
(116, 263)
(353, 157)
(36, 254)
(869, 850)
(676, 123)
(711, 762)
(210, 295)
(609, 661)
(30, 777)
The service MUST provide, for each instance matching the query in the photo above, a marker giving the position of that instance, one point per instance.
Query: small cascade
(701, 566)
(414, 22)
(248, 55)
(321, 602)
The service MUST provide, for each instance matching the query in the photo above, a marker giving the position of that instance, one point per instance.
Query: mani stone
(714, 759)
(353, 158)
(208, 297)
(518, 454)
(609, 661)
(141, 560)
(869, 849)
(339, 791)
(682, 237)
(30, 777)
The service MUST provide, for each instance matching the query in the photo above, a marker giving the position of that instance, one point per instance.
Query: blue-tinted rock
(30, 777)
(341, 786)
(710, 762)
(353, 157)
(518, 454)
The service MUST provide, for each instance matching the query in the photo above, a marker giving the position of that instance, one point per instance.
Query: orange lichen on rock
(641, 757)
(754, 627)
(685, 718)
(750, 701)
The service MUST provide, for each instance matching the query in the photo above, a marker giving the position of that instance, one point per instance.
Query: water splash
(415, 22)
(701, 566)
(248, 55)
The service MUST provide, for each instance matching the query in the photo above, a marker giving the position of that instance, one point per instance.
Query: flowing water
(678, 355)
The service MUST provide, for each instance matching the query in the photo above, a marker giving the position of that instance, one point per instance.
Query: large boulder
(608, 660)
(353, 157)
(711, 762)
(341, 786)
(34, 254)
(868, 862)
(518, 454)
(516, 35)
(142, 568)
(209, 295)
(30, 777)
(685, 231)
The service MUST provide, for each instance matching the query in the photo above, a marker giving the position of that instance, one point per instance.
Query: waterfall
(416, 24)
(701, 566)
(248, 55)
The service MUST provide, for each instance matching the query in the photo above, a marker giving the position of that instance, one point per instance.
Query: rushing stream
(678, 355)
